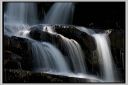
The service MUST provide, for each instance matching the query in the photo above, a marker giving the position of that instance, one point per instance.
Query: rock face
(12, 61)
(117, 39)
(17, 50)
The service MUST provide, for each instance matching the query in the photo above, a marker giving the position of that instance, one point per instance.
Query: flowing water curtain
(75, 54)
(105, 57)
(60, 13)
(104, 54)
(18, 17)
(21, 13)
(48, 58)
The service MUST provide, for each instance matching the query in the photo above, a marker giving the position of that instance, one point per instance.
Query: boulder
(72, 32)
(21, 47)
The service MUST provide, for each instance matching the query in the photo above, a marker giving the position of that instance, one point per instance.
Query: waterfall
(73, 50)
(18, 17)
(105, 56)
(75, 53)
(104, 53)
(88, 31)
(21, 13)
(48, 58)
(60, 13)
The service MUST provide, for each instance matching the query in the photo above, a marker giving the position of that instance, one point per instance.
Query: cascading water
(75, 53)
(17, 21)
(60, 13)
(18, 17)
(21, 13)
(73, 50)
(105, 57)
(41, 50)
(48, 58)
(88, 31)
(104, 53)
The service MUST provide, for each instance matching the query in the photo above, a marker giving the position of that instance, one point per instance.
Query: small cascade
(104, 53)
(105, 57)
(73, 50)
(75, 53)
(48, 58)
(88, 31)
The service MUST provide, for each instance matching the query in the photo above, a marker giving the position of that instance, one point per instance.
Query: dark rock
(11, 60)
(117, 44)
(117, 38)
(21, 47)
(6, 42)
(35, 34)
(73, 33)
(20, 76)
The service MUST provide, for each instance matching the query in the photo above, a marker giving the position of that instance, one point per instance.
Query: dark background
(98, 15)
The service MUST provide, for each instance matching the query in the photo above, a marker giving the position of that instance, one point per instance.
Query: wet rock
(35, 33)
(73, 33)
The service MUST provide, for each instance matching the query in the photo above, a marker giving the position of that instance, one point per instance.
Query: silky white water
(48, 58)
(18, 17)
(105, 56)
(75, 53)
(73, 50)
(104, 53)
(60, 13)
(21, 13)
